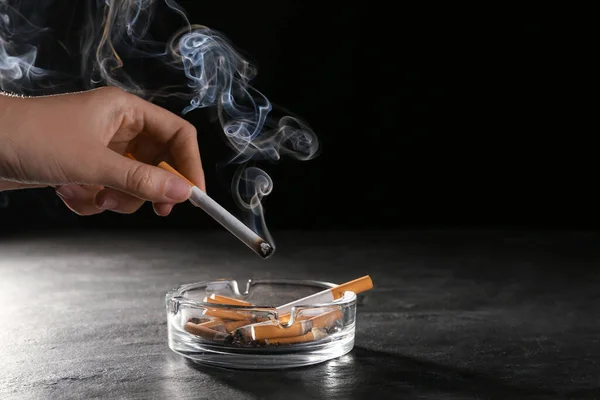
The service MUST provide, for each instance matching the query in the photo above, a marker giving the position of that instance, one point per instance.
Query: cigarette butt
(271, 329)
(205, 332)
(215, 324)
(314, 334)
(326, 320)
(285, 318)
(328, 295)
(227, 314)
(218, 299)
(223, 326)
(233, 325)
(357, 286)
(208, 324)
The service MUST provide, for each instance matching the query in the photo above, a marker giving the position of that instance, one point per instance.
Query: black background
(428, 117)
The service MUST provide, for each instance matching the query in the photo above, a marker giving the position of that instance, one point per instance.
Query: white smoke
(218, 78)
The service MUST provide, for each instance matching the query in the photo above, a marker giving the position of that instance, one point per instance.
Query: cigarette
(209, 324)
(233, 325)
(215, 324)
(272, 329)
(314, 334)
(218, 299)
(227, 314)
(223, 326)
(326, 320)
(200, 199)
(206, 333)
(357, 286)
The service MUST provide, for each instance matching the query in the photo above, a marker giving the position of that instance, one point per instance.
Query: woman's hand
(76, 143)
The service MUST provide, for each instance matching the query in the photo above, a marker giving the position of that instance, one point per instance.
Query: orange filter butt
(357, 286)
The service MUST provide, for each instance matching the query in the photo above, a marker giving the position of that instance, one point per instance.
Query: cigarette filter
(218, 299)
(228, 314)
(314, 334)
(209, 324)
(215, 324)
(357, 286)
(326, 320)
(310, 314)
(201, 200)
(272, 329)
(233, 325)
(205, 332)
(223, 325)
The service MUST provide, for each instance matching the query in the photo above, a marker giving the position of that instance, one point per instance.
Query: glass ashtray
(214, 323)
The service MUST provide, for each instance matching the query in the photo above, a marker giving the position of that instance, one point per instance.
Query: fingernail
(109, 204)
(162, 210)
(65, 192)
(178, 190)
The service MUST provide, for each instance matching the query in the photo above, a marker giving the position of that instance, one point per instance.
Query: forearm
(7, 159)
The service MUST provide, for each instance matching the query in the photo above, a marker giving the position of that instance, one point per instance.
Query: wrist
(7, 101)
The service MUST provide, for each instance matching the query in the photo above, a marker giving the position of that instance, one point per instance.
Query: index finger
(177, 135)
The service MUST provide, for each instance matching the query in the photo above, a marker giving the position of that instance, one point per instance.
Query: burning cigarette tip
(266, 249)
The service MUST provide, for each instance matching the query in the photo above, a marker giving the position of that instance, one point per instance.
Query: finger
(117, 201)
(162, 209)
(79, 199)
(176, 134)
(144, 181)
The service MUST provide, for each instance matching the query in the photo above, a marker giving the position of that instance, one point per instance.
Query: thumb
(141, 180)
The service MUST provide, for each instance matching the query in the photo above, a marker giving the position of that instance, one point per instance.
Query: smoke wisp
(218, 78)
(17, 56)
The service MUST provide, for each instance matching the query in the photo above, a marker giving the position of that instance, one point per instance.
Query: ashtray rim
(177, 293)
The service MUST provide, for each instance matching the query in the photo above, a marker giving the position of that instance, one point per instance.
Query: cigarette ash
(239, 341)
(266, 249)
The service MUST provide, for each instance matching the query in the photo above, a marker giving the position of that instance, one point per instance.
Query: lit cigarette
(314, 334)
(357, 286)
(225, 218)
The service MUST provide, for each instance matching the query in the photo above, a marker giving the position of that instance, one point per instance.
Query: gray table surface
(452, 315)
